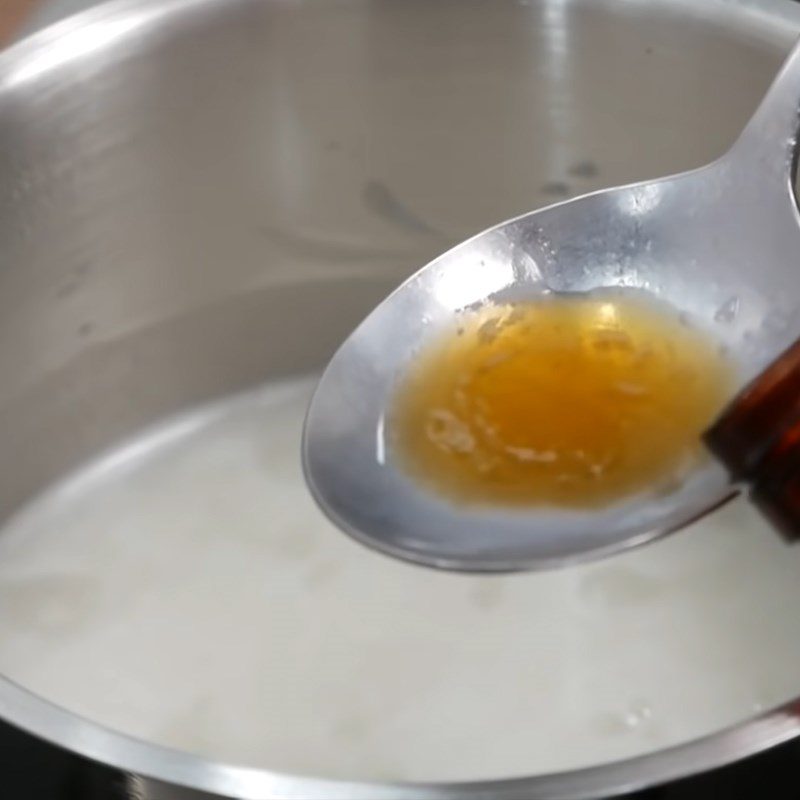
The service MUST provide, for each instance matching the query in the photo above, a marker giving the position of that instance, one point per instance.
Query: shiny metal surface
(197, 195)
(691, 239)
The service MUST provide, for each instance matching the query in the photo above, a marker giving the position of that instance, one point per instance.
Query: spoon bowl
(718, 244)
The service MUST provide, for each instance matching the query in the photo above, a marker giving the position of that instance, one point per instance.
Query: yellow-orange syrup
(573, 401)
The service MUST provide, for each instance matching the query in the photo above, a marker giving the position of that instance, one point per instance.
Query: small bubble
(638, 713)
(530, 455)
(597, 470)
(728, 311)
(448, 432)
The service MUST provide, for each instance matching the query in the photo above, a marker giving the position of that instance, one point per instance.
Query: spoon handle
(769, 141)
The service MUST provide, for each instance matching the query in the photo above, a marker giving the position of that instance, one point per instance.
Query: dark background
(33, 770)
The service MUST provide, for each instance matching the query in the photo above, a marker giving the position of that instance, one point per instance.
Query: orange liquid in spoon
(573, 401)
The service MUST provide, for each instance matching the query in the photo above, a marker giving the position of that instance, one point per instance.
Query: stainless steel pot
(199, 194)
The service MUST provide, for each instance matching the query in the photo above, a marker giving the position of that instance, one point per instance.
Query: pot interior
(198, 201)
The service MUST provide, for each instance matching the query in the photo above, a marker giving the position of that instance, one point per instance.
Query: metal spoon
(721, 243)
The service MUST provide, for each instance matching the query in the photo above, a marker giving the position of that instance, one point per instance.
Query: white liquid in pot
(188, 592)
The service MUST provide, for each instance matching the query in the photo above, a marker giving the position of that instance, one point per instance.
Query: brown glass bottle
(758, 439)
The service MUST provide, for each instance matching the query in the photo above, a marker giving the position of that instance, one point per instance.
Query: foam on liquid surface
(188, 592)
